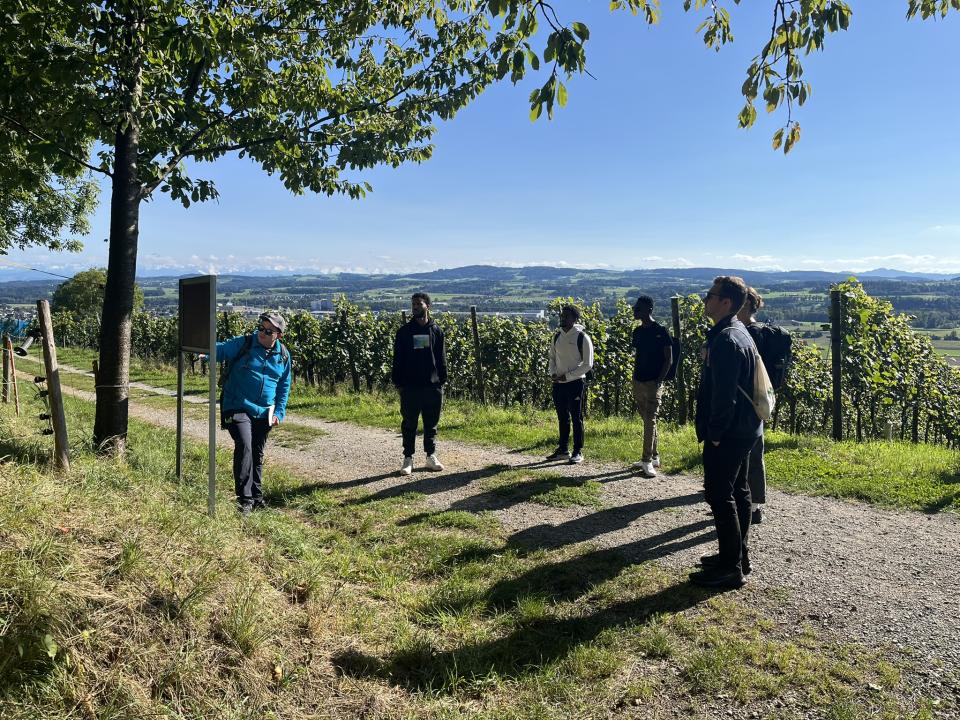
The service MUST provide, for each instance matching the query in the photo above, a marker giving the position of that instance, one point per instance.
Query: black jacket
(427, 366)
(723, 412)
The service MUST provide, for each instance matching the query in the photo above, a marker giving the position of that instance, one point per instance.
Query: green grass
(891, 474)
(120, 598)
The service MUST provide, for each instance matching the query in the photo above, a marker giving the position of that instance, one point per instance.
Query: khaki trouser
(647, 394)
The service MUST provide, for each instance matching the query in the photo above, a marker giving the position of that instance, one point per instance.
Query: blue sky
(645, 167)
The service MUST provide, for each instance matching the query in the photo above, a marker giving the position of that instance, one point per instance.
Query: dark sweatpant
(249, 438)
(728, 494)
(568, 400)
(417, 400)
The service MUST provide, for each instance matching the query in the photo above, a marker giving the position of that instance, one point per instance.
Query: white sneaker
(656, 461)
(638, 465)
(433, 463)
(647, 471)
(576, 458)
(407, 465)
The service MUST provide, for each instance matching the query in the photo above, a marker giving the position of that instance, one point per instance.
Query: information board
(198, 303)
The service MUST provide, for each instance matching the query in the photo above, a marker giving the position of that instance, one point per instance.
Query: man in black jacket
(419, 372)
(729, 427)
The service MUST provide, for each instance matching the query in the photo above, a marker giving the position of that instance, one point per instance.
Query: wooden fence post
(5, 397)
(836, 352)
(476, 354)
(354, 373)
(680, 381)
(59, 420)
(13, 374)
(915, 428)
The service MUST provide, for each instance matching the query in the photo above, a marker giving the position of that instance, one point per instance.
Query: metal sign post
(198, 333)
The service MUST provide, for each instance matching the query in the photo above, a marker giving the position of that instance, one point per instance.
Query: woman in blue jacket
(255, 392)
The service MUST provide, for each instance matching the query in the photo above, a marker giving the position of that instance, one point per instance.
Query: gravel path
(887, 579)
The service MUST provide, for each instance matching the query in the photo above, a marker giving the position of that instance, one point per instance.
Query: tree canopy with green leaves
(83, 294)
(143, 92)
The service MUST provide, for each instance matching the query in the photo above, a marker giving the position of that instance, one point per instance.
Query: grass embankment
(890, 474)
(120, 598)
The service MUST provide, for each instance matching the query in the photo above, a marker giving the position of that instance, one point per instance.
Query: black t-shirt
(649, 342)
(421, 355)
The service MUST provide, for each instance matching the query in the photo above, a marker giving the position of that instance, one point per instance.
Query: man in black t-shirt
(419, 372)
(654, 356)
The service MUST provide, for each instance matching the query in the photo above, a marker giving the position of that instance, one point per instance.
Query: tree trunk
(110, 423)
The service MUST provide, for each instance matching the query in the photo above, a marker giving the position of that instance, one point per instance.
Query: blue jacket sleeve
(229, 349)
(283, 392)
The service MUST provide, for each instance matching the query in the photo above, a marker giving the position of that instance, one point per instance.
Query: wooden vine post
(8, 353)
(5, 397)
(680, 382)
(58, 418)
(481, 390)
(836, 356)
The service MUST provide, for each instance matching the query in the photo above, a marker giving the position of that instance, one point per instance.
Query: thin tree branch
(63, 151)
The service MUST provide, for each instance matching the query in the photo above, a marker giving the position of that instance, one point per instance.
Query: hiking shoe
(756, 517)
(559, 454)
(719, 579)
(407, 466)
(432, 463)
(244, 509)
(576, 458)
(656, 461)
(711, 562)
(259, 505)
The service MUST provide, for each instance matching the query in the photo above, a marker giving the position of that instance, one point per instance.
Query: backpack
(590, 374)
(775, 345)
(763, 399)
(675, 360)
(244, 349)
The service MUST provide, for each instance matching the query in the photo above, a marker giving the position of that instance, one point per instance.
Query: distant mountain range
(537, 273)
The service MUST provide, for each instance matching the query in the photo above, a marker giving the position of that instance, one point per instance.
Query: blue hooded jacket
(259, 380)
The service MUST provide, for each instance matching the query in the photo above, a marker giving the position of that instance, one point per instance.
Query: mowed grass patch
(544, 488)
(130, 602)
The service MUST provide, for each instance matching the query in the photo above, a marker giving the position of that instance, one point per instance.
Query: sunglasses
(718, 296)
(263, 330)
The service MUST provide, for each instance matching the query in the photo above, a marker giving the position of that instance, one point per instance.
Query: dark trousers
(568, 400)
(727, 492)
(757, 474)
(249, 440)
(425, 400)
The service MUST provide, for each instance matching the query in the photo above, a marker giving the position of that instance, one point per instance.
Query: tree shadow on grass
(529, 646)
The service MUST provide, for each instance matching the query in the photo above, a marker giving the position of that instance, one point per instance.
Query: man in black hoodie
(729, 427)
(419, 372)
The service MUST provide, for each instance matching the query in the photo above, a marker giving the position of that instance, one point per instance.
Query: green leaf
(562, 95)
(581, 31)
(51, 645)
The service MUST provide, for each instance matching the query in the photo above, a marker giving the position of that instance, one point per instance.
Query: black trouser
(568, 400)
(728, 494)
(757, 474)
(249, 439)
(417, 400)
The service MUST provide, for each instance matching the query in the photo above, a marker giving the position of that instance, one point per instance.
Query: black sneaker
(259, 504)
(756, 517)
(711, 562)
(244, 509)
(719, 580)
(559, 454)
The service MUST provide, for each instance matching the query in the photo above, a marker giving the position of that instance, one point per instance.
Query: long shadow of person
(530, 646)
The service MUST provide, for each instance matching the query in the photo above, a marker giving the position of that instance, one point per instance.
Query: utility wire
(27, 267)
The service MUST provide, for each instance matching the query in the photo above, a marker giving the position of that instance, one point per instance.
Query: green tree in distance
(313, 92)
(83, 294)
